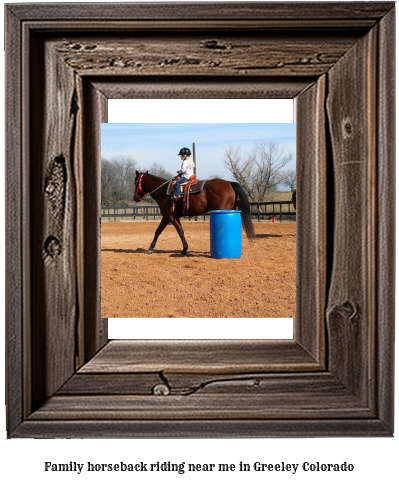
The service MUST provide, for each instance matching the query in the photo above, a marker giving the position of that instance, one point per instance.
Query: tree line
(260, 172)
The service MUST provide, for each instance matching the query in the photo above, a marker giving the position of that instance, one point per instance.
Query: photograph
(207, 227)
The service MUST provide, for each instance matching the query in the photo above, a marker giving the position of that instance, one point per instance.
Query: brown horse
(217, 194)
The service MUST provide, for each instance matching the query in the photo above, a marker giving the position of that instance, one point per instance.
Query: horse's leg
(179, 229)
(161, 227)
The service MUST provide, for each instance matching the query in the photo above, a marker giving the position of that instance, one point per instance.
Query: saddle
(192, 186)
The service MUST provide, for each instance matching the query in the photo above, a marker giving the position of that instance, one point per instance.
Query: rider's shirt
(187, 168)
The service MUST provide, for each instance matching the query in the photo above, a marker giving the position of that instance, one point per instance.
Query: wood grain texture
(204, 407)
(362, 13)
(185, 384)
(53, 247)
(191, 428)
(312, 238)
(385, 224)
(352, 121)
(335, 377)
(174, 87)
(94, 331)
(200, 356)
(16, 251)
(240, 55)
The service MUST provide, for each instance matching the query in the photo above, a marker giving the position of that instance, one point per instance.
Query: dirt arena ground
(261, 284)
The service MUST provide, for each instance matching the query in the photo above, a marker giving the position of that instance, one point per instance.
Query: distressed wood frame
(64, 378)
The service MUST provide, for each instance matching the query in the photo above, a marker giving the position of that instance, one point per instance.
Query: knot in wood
(52, 246)
(346, 310)
(55, 186)
(90, 47)
(347, 128)
(213, 44)
(161, 390)
(50, 188)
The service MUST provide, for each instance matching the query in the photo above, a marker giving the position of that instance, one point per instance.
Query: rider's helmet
(184, 152)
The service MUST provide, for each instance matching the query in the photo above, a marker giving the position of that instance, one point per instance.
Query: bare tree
(109, 182)
(125, 169)
(290, 180)
(158, 170)
(259, 172)
(117, 180)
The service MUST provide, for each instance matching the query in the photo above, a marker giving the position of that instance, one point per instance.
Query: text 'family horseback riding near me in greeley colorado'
(186, 467)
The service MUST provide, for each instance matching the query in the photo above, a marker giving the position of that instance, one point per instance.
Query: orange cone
(273, 219)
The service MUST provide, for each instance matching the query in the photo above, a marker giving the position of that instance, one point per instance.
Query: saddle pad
(194, 188)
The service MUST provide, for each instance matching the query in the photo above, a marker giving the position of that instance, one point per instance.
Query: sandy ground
(261, 284)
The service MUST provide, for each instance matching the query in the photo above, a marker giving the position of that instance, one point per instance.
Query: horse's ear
(146, 171)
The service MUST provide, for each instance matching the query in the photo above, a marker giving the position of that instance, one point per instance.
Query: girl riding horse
(185, 172)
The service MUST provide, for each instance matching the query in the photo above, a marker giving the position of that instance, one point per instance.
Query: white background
(375, 460)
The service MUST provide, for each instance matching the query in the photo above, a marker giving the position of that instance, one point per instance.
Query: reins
(153, 191)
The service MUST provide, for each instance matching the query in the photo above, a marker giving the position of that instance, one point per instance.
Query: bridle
(139, 193)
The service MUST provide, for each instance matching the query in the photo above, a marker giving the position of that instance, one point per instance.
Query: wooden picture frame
(335, 378)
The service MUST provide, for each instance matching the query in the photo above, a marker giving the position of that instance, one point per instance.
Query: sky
(154, 142)
(155, 130)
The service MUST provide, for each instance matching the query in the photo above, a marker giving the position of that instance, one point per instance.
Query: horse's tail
(243, 204)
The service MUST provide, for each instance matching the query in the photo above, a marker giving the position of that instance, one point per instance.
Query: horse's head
(139, 192)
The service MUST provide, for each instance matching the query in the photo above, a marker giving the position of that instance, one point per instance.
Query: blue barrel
(226, 239)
